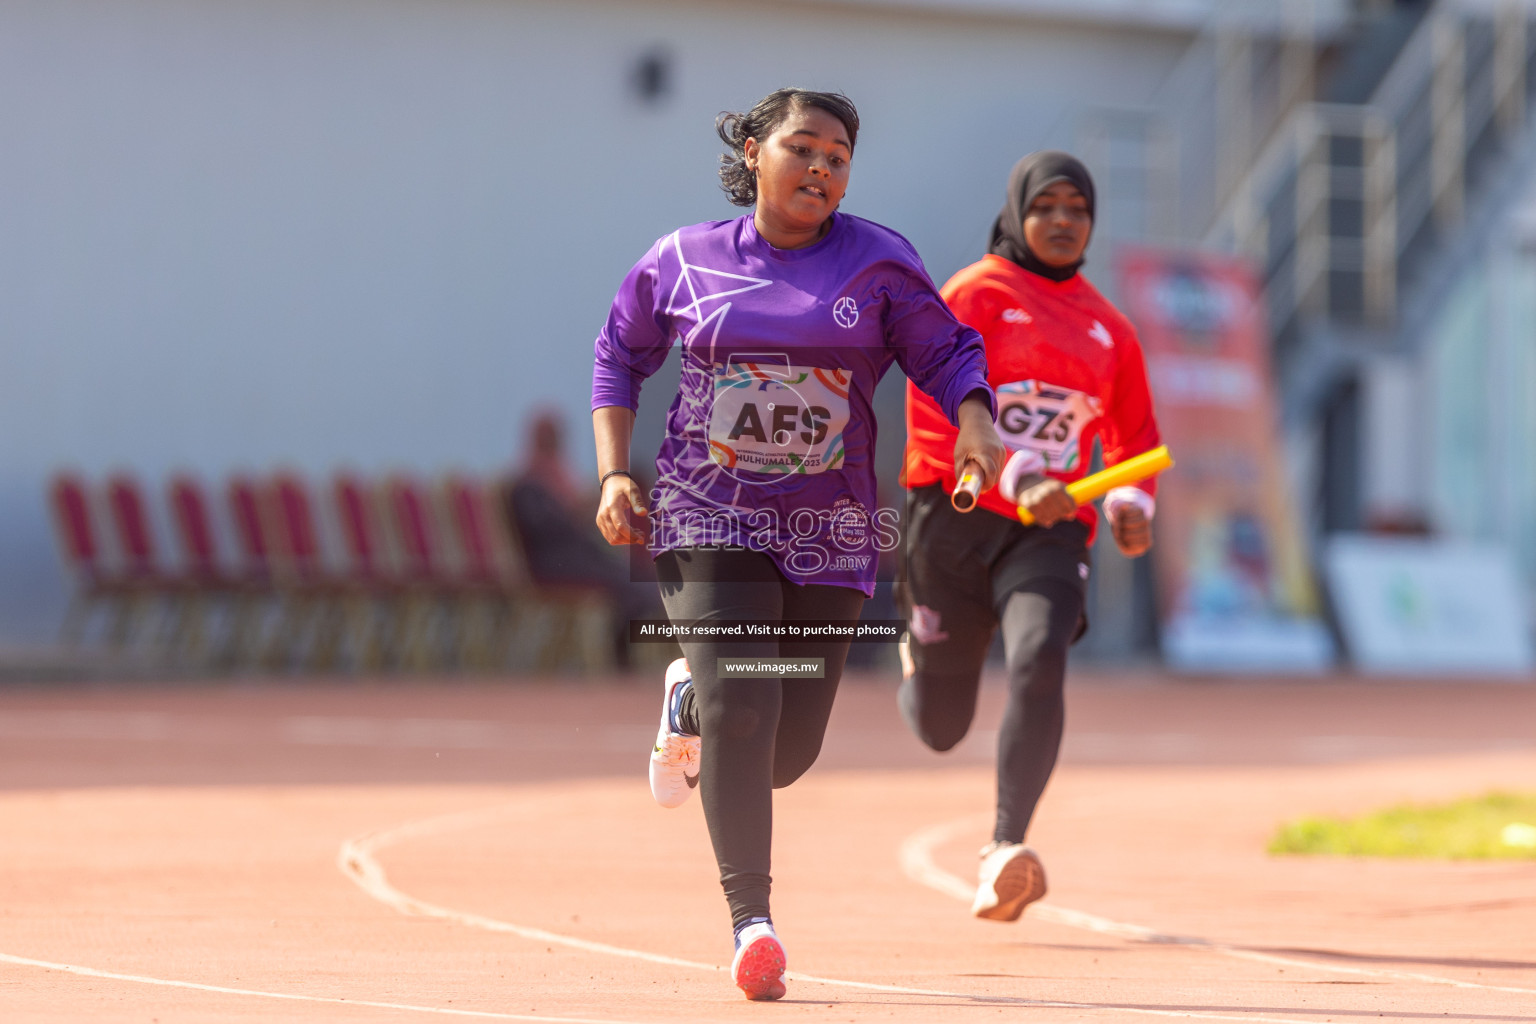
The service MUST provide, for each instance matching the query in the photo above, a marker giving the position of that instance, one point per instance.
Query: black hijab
(1031, 176)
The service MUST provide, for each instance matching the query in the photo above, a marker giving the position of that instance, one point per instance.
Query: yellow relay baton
(1096, 485)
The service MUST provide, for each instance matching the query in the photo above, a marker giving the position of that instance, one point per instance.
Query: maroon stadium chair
(492, 597)
(194, 530)
(430, 595)
(313, 621)
(378, 594)
(253, 544)
(147, 582)
(210, 583)
(95, 584)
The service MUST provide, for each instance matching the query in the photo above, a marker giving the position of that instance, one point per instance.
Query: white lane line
(916, 855)
(357, 861)
(91, 972)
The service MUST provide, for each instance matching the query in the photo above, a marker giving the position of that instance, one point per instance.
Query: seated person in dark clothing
(560, 544)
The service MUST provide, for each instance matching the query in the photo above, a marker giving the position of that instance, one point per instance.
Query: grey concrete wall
(377, 233)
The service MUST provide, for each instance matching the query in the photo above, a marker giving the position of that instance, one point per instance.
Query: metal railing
(1344, 200)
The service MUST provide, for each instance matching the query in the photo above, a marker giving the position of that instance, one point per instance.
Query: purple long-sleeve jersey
(770, 442)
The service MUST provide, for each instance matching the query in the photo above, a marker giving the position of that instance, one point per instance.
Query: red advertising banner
(1235, 589)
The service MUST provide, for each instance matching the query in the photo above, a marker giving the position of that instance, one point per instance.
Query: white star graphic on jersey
(1099, 333)
(703, 283)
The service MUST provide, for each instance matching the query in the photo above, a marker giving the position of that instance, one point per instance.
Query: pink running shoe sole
(760, 969)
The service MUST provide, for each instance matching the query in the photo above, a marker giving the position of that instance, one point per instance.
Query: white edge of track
(92, 972)
(357, 861)
(916, 855)
(460, 819)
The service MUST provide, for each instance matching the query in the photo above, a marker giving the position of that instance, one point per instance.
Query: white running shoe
(758, 969)
(675, 758)
(1012, 878)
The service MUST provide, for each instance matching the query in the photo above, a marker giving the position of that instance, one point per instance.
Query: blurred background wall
(379, 234)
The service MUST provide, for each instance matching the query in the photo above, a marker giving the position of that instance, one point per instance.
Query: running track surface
(433, 851)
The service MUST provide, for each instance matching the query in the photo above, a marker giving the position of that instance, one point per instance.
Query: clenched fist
(1132, 530)
(1047, 500)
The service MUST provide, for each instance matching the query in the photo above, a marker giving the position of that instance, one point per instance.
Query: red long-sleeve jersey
(1067, 367)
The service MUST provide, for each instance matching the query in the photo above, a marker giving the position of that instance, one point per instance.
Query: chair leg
(597, 645)
(130, 612)
(170, 614)
(76, 618)
(215, 628)
(442, 632)
(368, 622)
(502, 622)
(526, 622)
(279, 650)
(466, 642)
(497, 621)
(410, 636)
(188, 629)
(562, 644)
(243, 636)
(329, 634)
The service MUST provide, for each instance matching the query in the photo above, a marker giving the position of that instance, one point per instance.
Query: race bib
(1047, 420)
(773, 418)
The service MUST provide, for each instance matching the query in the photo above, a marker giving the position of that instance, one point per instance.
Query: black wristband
(612, 472)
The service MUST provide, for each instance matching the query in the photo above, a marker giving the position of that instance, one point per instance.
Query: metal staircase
(1354, 169)
(1350, 204)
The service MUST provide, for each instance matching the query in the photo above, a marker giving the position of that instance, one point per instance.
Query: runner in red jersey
(1068, 369)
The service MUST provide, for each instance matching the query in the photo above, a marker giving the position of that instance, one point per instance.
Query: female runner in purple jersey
(764, 509)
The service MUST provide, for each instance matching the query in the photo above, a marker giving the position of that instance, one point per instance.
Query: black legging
(757, 734)
(1039, 620)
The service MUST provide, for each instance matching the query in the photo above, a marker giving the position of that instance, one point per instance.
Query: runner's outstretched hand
(621, 512)
(978, 442)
